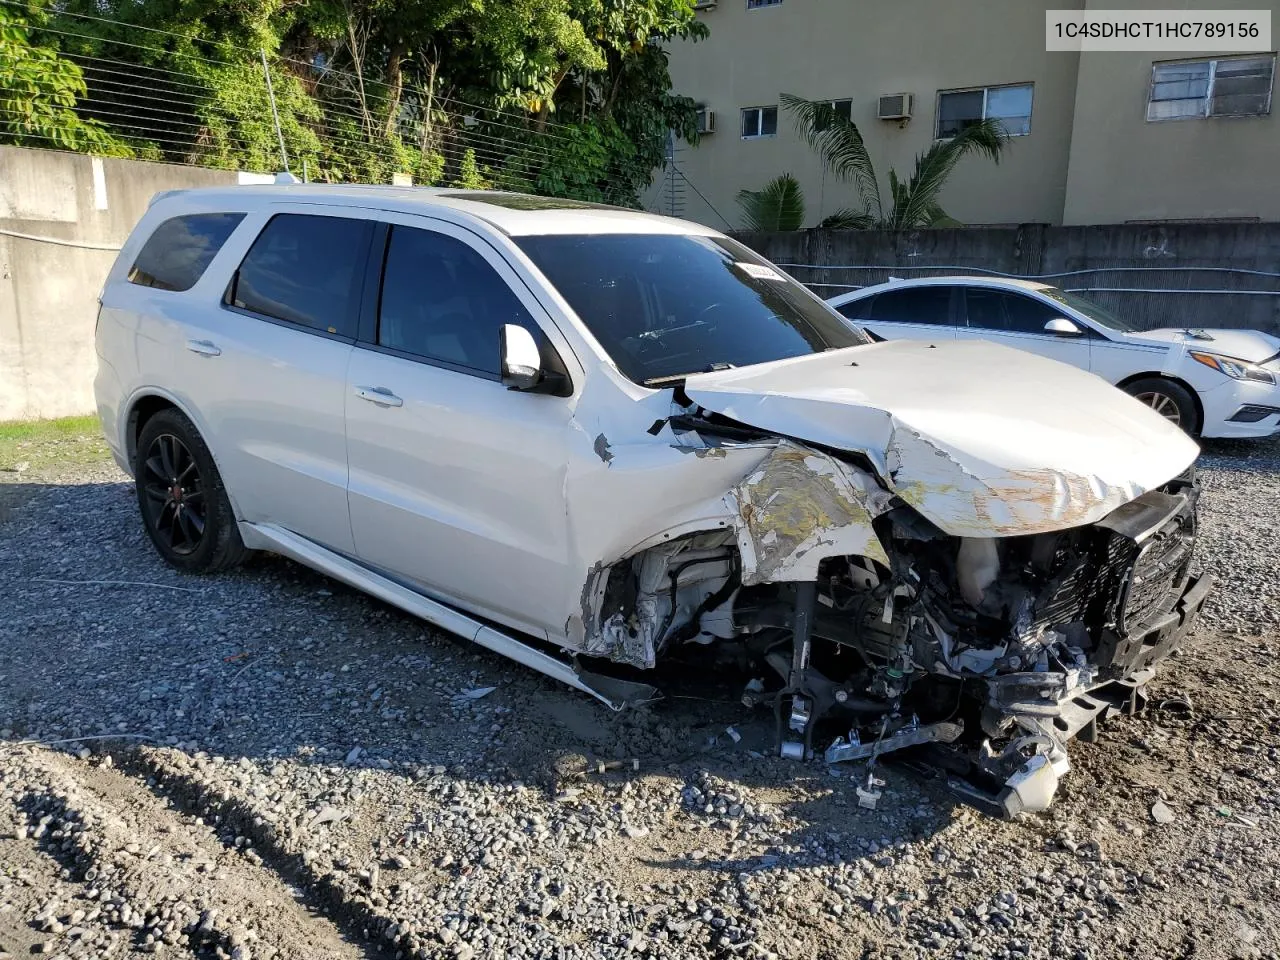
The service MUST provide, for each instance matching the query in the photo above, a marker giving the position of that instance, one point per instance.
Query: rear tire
(184, 505)
(1171, 400)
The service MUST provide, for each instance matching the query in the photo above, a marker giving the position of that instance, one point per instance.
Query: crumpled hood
(982, 439)
(1251, 345)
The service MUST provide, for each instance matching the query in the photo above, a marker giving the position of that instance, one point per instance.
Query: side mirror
(1062, 327)
(521, 361)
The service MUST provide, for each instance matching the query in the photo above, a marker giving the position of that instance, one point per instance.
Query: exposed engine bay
(868, 630)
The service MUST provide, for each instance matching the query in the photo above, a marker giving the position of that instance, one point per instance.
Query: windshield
(668, 305)
(1090, 309)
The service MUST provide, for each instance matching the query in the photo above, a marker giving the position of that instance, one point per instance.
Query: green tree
(38, 94)
(777, 206)
(470, 176)
(914, 202)
(566, 96)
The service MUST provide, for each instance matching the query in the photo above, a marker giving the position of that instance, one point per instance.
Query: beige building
(1098, 137)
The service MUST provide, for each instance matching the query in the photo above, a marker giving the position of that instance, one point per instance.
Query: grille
(1089, 583)
(1110, 581)
(1160, 568)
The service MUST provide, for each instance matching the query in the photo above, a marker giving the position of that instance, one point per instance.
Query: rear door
(456, 482)
(1018, 320)
(266, 367)
(908, 313)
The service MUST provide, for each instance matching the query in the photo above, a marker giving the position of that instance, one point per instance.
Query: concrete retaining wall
(74, 206)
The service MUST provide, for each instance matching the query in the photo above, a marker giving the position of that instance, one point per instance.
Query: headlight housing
(1236, 369)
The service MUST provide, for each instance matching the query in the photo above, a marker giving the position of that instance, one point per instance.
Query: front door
(456, 483)
(1018, 320)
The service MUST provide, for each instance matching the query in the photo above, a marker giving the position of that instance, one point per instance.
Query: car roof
(516, 214)
(967, 280)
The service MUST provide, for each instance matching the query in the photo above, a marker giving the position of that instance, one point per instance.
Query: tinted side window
(442, 301)
(857, 309)
(914, 305)
(1027, 315)
(985, 309)
(1010, 312)
(305, 270)
(177, 254)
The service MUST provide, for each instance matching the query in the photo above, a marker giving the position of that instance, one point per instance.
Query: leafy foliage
(469, 175)
(38, 94)
(847, 219)
(778, 206)
(914, 202)
(570, 97)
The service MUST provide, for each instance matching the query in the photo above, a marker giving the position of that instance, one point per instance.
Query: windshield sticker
(758, 272)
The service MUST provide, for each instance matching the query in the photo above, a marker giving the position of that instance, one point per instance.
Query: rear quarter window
(857, 309)
(924, 305)
(179, 251)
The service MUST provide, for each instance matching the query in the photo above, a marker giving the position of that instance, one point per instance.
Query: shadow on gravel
(14, 495)
(274, 662)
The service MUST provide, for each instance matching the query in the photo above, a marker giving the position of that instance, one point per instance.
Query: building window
(1011, 105)
(757, 4)
(841, 108)
(1238, 87)
(759, 122)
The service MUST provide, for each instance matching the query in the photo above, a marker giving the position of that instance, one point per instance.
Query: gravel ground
(282, 767)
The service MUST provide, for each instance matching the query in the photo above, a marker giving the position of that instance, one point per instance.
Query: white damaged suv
(589, 439)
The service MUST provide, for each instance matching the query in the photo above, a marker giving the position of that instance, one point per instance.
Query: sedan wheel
(1163, 405)
(1169, 399)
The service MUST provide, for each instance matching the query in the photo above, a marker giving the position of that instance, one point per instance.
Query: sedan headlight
(1236, 369)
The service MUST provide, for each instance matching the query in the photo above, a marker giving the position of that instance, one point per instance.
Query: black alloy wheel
(185, 507)
(174, 502)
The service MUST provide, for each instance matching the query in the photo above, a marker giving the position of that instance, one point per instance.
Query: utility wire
(695, 189)
(366, 82)
(106, 77)
(194, 118)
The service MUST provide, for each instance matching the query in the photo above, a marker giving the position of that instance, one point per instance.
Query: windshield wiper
(676, 377)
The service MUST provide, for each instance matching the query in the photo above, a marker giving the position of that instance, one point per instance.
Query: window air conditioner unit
(706, 120)
(895, 106)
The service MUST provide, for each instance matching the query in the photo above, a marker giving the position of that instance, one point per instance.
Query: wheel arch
(144, 405)
(1157, 375)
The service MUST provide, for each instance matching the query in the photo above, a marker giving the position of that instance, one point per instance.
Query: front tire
(184, 505)
(1171, 400)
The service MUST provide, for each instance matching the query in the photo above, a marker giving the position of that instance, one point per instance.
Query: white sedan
(1212, 383)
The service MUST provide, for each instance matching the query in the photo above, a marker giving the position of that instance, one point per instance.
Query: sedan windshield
(1093, 311)
(668, 305)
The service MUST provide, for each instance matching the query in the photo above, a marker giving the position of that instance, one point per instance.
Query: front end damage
(870, 630)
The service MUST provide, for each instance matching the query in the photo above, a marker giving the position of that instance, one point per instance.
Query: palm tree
(778, 205)
(915, 201)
